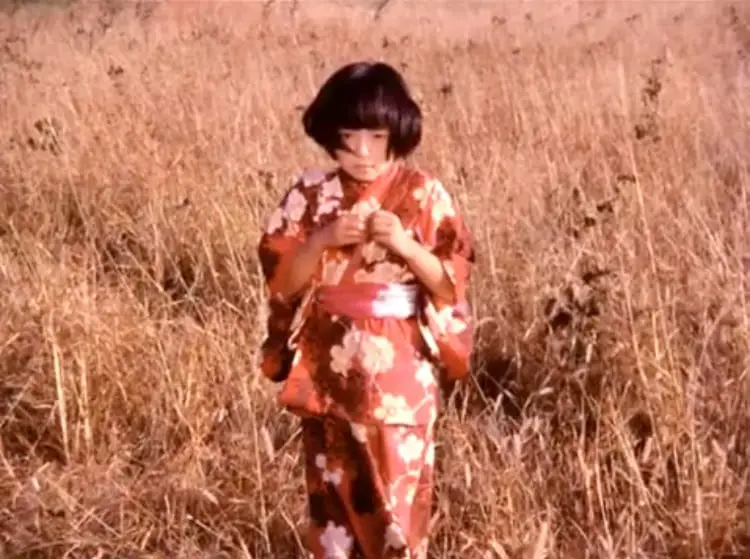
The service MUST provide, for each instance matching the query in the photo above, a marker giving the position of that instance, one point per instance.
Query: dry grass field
(600, 152)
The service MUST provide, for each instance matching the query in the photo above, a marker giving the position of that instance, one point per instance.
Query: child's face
(366, 156)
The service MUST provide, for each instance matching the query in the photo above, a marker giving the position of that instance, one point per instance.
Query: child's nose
(361, 147)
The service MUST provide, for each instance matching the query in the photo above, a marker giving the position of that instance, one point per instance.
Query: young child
(367, 267)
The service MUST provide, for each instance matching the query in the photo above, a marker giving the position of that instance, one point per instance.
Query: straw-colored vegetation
(601, 155)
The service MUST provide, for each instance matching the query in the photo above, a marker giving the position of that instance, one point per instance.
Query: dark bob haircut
(364, 95)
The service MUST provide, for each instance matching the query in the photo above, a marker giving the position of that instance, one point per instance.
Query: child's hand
(387, 230)
(348, 229)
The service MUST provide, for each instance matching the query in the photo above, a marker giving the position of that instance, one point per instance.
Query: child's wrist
(409, 249)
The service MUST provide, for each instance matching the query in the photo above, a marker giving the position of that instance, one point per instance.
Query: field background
(600, 152)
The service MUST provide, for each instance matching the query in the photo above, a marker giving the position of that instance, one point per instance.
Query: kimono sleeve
(286, 229)
(448, 325)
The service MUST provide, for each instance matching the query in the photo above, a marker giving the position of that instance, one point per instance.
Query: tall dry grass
(601, 156)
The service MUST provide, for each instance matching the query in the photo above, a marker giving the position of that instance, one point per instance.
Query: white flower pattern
(377, 354)
(359, 432)
(444, 321)
(372, 354)
(295, 207)
(440, 201)
(411, 492)
(342, 355)
(329, 197)
(394, 537)
(365, 207)
(275, 222)
(336, 541)
(425, 374)
(312, 177)
(411, 448)
(394, 408)
(329, 476)
(326, 207)
(332, 189)
(429, 457)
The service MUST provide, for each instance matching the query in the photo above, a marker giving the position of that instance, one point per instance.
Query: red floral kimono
(366, 385)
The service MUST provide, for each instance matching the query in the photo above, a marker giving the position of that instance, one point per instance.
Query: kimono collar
(367, 190)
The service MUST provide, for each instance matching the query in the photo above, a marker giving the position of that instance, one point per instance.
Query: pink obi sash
(370, 300)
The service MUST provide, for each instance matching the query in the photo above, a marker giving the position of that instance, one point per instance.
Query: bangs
(367, 108)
